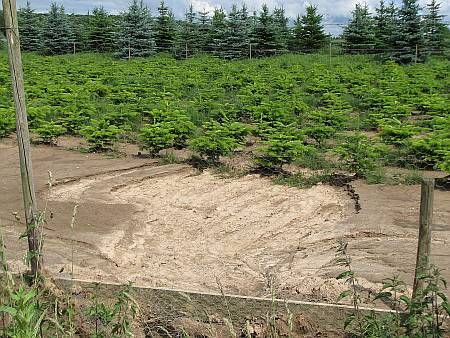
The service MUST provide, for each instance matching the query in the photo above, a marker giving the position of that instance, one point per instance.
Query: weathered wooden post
(23, 136)
(425, 222)
(416, 58)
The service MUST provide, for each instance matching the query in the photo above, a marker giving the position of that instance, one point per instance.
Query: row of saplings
(280, 144)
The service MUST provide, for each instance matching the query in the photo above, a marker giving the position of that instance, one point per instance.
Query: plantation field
(170, 226)
(317, 112)
(301, 121)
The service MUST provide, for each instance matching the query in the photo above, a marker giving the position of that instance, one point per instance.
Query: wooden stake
(417, 54)
(23, 136)
(250, 51)
(425, 222)
(330, 52)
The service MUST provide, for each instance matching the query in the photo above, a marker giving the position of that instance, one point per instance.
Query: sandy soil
(170, 226)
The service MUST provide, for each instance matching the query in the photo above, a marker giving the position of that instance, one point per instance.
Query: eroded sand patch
(190, 230)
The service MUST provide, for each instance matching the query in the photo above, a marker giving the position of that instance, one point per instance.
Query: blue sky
(334, 11)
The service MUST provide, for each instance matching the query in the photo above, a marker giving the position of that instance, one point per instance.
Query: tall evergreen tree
(264, 34)
(236, 35)
(165, 34)
(409, 34)
(309, 35)
(218, 32)
(434, 28)
(359, 34)
(204, 31)
(80, 34)
(30, 29)
(280, 23)
(189, 35)
(385, 20)
(57, 34)
(136, 35)
(100, 31)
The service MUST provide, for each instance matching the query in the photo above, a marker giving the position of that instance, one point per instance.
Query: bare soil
(174, 227)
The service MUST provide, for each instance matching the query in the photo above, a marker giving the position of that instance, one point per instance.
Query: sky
(335, 11)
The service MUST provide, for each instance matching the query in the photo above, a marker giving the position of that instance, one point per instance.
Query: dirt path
(169, 226)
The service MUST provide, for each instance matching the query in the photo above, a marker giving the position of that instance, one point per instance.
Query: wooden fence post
(23, 136)
(425, 222)
(416, 58)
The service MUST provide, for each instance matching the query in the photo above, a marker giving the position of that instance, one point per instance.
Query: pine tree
(408, 36)
(236, 42)
(30, 29)
(434, 28)
(165, 34)
(190, 31)
(246, 27)
(280, 22)
(309, 35)
(136, 35)
(204, 32)
(359, 34)
(385, 26)
(78, 25)
(57, 34)
(264, 34)
(100, 31)
(218, 32)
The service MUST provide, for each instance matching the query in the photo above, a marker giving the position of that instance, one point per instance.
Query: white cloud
(202, 5)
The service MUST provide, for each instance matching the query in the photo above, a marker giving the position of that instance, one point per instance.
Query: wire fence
(382, 233)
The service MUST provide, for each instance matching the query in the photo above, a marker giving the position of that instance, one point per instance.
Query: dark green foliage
(135, 37)
(204, 32)
(57, 34)
(265, 35)
(165, 33)
(49, 132)
(189, 34)
(218, 33)
(409, 34)
(237, 35)
(309, 35)
(101, 31)
(282, 34)
(434, 29)
(359, 33)
(100, 135)
(79, 25)
(30, 29)
(385, 27)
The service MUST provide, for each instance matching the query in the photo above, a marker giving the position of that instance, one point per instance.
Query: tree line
(396, 32)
